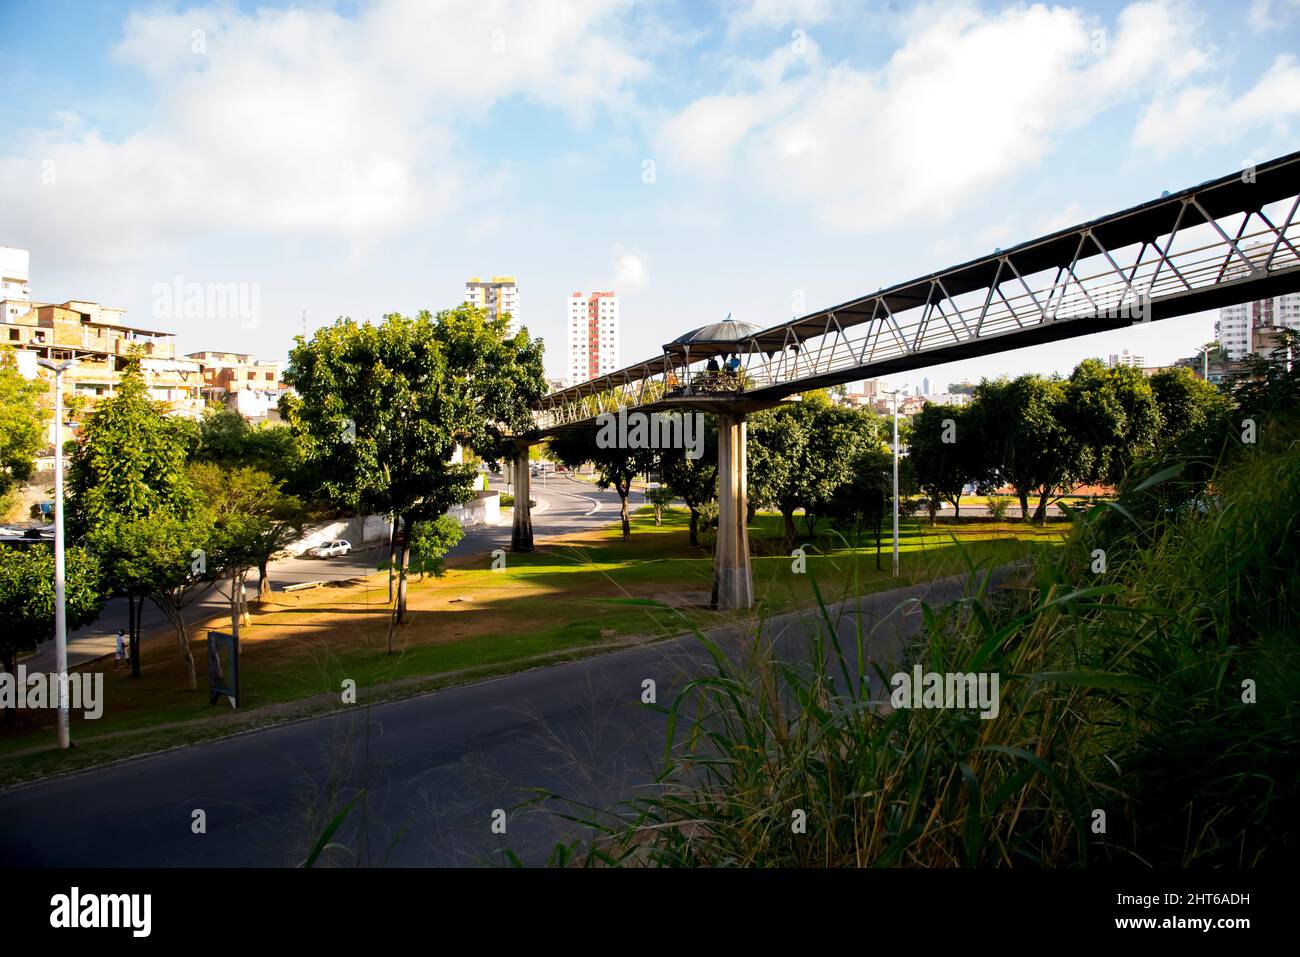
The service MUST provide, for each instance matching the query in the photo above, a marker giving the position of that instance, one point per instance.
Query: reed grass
(1122, 692)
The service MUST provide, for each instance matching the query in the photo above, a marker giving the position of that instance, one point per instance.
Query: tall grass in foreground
(1121, 692)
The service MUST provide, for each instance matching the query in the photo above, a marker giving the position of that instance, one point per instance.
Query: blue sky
(363, 158)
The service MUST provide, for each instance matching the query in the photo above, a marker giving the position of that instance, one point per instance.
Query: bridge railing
(1127, 284)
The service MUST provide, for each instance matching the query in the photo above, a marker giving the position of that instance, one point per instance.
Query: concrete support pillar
(733, 585)
(521, 539)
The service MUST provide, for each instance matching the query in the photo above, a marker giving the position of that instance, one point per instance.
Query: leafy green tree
(161, 557)
(799, 454)
(22, 420)
(1112, 417)
(129, 465)
(695, 481)
(430, 543)
(1022, 425)
(27, 597)
(864, 500)
(382, 409)
(946, 452)
(229, 440)
(251, 505)
(223, 436)
(1188, 405)
(660, 497)
(616, 468)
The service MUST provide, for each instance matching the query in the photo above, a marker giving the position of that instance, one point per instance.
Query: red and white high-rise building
(593, 335)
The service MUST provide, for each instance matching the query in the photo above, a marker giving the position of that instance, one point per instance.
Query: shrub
(998, 507)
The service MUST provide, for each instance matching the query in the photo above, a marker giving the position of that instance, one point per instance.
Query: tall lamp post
(894, 396)
(60, 612)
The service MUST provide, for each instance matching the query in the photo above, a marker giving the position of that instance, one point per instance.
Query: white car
(332, 549)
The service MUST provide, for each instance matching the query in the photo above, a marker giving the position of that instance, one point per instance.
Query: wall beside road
(359, 530)
(483, 509)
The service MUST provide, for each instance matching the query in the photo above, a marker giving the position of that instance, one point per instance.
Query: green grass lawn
(571, 598)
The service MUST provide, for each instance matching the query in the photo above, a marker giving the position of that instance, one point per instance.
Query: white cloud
(1203, 115)
(292, 120)
(703, 137)
(1073, 214)
(969, 99)
(766, 14)
(1268, 15)
(631, 271)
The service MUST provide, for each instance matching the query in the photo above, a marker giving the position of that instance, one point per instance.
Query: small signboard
(223, 668)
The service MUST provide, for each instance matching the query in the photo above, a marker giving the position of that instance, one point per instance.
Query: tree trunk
(695, 528)
(1024, 505)
(623, 513)
(791, 530)
(403, 552)
(1040, 513)
(956, 508)
(236, 601)
(880, 531)
(932, 505)
(183, 635)
(659, 515)
(263, 582)
(134, 614)
(392, 553)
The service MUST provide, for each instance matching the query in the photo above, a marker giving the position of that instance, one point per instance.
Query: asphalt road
(564, 505)
(434, 769)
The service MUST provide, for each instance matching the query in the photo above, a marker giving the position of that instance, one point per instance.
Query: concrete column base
(733, 584)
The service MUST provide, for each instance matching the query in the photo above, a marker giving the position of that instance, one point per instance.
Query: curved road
(434, 769)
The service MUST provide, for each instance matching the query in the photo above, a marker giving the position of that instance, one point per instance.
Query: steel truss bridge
(1226, 241)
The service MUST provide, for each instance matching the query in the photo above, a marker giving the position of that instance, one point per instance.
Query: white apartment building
(15, 286)
(593, 335)
(1241, 328)
(1238, 327)
(497, 296)
(1126, 358)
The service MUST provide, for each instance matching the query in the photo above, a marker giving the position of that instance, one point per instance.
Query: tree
(1112, 417)
(864, 500)
(161, 557)
(129, 465)
(27, 597)
(430, 543)
(227, 439)
(1188, 405)
(947, 454)
(660, 497)
(615, 467)
(695, 481)
(1021, 423)
(21, 423)
(799, 454)
(269, 519)
(382, 409)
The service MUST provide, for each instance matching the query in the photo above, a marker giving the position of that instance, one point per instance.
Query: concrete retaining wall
(483, 509)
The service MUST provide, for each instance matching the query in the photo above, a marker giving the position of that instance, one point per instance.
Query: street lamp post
(894, 396)
(60, 612)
